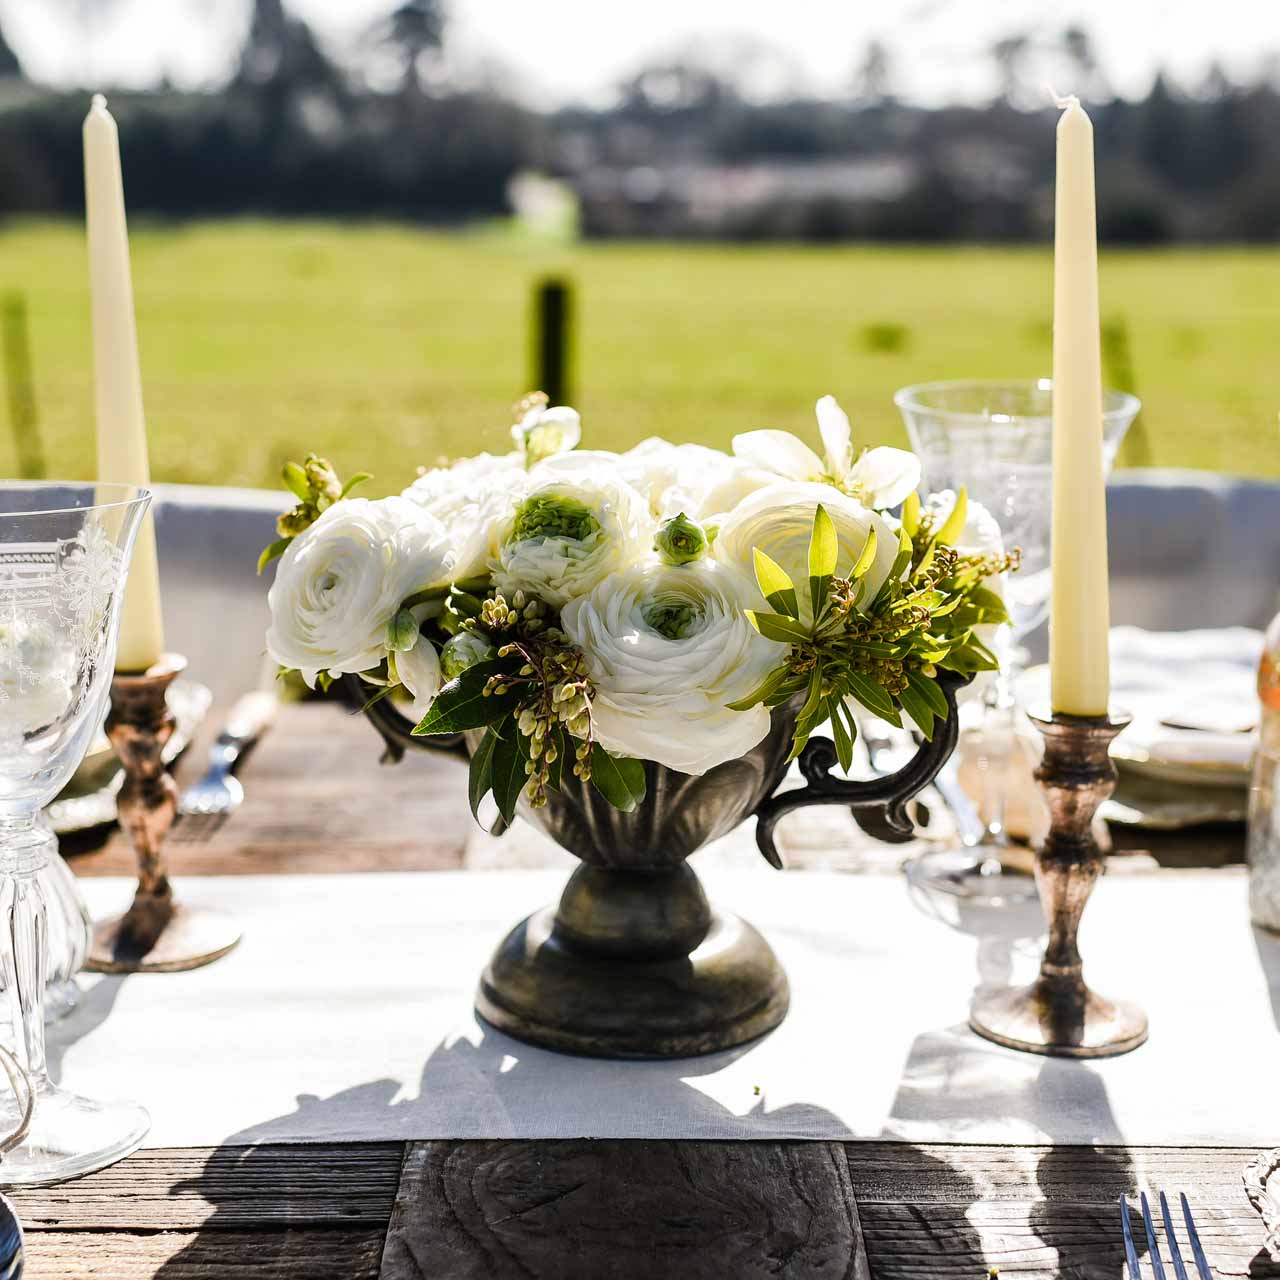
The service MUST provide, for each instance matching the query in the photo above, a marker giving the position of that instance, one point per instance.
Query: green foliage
(885, 656)
(472, 700)
(619, 779)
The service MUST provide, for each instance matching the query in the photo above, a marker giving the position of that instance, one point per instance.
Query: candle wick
(1058, 100)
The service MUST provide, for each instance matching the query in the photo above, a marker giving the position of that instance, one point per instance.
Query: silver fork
(1153, 1246)
(206, 805)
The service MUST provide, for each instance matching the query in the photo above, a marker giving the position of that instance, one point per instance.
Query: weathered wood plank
(896, 1171)
(316, 801)
(1040, 1212)
(226, 1188)
(216, 1255)
(615, 1210)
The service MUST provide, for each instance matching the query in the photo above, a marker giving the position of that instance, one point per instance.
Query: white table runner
(345, 1015)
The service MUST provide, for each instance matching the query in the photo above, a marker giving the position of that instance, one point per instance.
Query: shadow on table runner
(294, 1040)
(492, 1084)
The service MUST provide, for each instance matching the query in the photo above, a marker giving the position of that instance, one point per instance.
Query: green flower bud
(680, 540)
(464, 650)
(296, 520)
(322, 478)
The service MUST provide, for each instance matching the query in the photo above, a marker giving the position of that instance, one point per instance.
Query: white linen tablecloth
(345, 1015)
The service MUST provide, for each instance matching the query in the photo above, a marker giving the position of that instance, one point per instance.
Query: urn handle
(396, 728)
(879, 805)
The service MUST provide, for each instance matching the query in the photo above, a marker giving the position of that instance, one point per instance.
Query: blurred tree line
(683, 152)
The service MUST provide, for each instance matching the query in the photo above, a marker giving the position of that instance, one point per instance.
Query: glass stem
(998, 725)
(24, 850)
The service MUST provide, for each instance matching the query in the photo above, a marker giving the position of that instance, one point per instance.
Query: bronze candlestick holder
(1057, 1015)
(157, 934)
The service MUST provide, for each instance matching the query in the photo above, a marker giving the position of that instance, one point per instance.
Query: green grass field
(385, 347)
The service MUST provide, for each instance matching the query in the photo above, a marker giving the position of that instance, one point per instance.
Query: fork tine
(1175, 1254)
(1153, 1245)
(1202, 1265)
(1130, 1253)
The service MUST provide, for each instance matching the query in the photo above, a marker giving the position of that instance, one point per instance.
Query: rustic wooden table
(585, 1209)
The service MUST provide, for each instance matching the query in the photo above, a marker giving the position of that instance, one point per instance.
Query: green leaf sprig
(316, 486)
(883, 654)
(533, 702)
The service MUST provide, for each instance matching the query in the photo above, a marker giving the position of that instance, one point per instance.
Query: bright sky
(556, 51)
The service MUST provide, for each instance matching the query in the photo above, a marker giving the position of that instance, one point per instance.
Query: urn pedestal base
(679, 980)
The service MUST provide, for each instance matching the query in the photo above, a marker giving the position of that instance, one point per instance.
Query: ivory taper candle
(117, 379)
(1080, 616)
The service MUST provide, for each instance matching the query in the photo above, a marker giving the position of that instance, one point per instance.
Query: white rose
(571, 529)
(340, 582)
(689, 478)
(667, 648)
(418, 669)
(779, 520)
(472, 498)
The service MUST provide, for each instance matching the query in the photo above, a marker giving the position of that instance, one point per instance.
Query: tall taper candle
(1080, 616)
(122, 429)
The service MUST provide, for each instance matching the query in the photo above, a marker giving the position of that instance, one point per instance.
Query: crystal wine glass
(64, 554)
(995, 439)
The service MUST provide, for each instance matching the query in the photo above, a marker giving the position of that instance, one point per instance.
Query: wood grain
(614, 1210)
(1041, 1212)
(317, 801)
(330, 1184)
(293, 1254)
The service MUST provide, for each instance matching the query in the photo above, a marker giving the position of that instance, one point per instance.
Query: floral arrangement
(594, 610)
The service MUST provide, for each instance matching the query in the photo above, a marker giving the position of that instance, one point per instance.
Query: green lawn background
(386, 347)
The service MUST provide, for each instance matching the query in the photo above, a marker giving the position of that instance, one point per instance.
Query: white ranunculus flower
(340, 582)
(418, 669)
(779, 520)
(472, 498)
(880, 477)
(667, 648)
(689, 478)
(570, 530)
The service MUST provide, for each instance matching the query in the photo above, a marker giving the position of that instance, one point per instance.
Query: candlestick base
(189, 938)
(1058, 1015)
(157, 934)
(1064, 1022)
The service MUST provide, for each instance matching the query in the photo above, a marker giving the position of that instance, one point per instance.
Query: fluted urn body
(633, 961)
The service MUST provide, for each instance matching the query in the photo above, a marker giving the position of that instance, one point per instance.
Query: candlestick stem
(157, 933)
(1058, 1015)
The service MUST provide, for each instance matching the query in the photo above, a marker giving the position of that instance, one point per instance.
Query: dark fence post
(1117, 365)
(552, 330)
(22, 392)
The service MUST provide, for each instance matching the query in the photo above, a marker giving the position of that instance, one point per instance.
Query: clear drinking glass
(64, 554)
(995, 439)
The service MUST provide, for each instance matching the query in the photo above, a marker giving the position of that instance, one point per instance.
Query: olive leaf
(824, 551)
(955, 522)
(775, 584)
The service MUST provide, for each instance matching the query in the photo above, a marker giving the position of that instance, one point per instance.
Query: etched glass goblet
(995, 439)
(64, 555)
